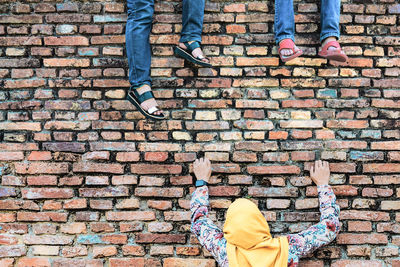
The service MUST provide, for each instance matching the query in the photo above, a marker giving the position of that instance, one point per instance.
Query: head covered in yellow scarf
(249, 242)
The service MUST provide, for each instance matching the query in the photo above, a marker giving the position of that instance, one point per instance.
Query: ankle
(328, 39)
(143, 88)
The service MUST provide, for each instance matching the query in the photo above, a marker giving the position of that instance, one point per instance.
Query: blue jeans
(284, 19)
(138, 27)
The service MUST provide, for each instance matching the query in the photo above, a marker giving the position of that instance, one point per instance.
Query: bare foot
(288, 52)
(331, 48)
(149, 103)
(197, 53)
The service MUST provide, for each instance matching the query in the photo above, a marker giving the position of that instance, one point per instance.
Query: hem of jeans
(329, 34)
(140, 84)
(284, 37)
(188, 38)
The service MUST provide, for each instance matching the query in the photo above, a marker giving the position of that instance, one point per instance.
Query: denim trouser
(138, 27)
(284, 19)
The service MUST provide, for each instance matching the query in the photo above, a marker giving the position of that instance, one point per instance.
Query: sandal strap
(332, 43)
(192, 46)
(142, 97)
(145, 96)
(286, 44)
(152, 110)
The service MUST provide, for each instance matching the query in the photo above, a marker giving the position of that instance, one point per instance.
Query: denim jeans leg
(330, 18)
(138, 27)
(284, 20)
(192, 20)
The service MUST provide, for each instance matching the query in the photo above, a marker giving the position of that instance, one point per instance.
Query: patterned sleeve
(208, 234)
(321, 233)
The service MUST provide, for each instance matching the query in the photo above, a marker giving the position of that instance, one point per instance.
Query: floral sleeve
(208, 234)
(319, 234)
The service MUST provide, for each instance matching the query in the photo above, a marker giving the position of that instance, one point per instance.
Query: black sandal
(187, 54)
(136, 99)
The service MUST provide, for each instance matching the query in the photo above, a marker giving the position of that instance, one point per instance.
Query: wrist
(200, 183)
(203, 178)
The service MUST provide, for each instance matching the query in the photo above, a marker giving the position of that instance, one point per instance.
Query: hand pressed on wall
(202, 169)
(320, 172)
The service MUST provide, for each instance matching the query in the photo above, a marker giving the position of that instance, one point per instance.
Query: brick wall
(85, 181)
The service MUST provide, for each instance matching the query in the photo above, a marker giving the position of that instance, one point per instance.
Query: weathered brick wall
(85, 181)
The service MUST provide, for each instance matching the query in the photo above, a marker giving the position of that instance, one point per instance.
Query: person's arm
(328, 227)
(329, 209)
(208, 234)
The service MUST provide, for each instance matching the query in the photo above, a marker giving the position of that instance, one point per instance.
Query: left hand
(202, 169)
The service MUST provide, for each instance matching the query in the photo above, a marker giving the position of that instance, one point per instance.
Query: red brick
(163, 192)
(74, 251)
(340, 190)
(113, 39)
(274, 169)
(224, 191)
(42, 180)
(381, 168)
(124, 179)
(156, 156)
(349, 263)
(38, 193)
(42, 216)
(130, 215)
(75, 204)
(99, 227)
(364, 215)
(302, 104)
(160, 238)
(133, 250)
(66, 40)
(302, 156)
(5, 156)
(359, 226)
(98, 167)
(155, 169)
(64, 62)
(115, 262)
(159, 204)
(373, 238)
(131, 227)
(104, 192)
(187, 262)
(7, 262)
(107, 251)
(27, 262)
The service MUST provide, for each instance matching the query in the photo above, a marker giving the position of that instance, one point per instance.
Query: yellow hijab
(249, 242)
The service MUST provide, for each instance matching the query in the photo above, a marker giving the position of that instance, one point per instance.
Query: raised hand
(320, 172)
(202, 169)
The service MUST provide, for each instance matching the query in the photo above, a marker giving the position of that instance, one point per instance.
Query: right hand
(202, 169)
(320, 172)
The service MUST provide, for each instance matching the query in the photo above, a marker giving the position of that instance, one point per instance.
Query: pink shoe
(288, 44)
(337, 54)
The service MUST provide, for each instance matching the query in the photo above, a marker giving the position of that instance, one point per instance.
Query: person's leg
(284, 20)
(138, 27)
(192, 20)
(284, 23)
(330, 31)
(330, 17)
(192, 25)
